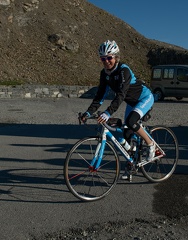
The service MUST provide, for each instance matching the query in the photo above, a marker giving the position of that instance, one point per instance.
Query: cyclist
(120, 78)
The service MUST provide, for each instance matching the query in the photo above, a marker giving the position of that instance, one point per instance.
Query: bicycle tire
(162, 168)
(82, 182)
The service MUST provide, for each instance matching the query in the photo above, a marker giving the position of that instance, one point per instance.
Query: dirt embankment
(56, 42)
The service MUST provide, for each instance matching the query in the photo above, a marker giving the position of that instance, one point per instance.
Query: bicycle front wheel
(84, 181)
(162, 168)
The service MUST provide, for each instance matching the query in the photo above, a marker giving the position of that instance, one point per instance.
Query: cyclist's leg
(134, 114)
(145, 103)
(130, 116)
(140, 109)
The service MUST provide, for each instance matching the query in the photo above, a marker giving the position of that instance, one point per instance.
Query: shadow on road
(74, 132)
(45, 183)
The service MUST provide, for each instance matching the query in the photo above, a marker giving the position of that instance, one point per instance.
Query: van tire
(160, 94)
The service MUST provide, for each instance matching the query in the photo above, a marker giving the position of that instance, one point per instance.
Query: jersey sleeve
(122, 88)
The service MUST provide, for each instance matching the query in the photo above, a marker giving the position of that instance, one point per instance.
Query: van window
(157, 73)
(168, 73)
(182, 74)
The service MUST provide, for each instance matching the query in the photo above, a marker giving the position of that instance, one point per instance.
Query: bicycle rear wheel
(85, 182)
(162, 168)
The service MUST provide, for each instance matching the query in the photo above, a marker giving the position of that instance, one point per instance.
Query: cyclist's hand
(103, 117)
(84, 117)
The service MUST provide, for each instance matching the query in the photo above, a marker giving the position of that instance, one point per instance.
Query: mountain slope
(56, 42)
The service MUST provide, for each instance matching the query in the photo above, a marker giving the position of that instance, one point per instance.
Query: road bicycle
(92, 165)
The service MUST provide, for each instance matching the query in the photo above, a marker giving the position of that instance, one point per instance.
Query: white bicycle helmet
(108, 47)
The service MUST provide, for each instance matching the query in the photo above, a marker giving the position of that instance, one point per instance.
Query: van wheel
(160, 94)
(179, 98)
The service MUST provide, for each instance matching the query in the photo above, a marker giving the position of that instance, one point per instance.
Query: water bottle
(124, 143)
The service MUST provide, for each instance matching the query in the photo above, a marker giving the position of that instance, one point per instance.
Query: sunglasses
(103, 59)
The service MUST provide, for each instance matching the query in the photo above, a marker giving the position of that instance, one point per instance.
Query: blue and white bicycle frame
(96, 161)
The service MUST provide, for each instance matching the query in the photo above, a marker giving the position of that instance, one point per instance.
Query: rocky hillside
(56, 42)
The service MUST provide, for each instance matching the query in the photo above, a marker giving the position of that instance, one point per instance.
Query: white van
(170, 81)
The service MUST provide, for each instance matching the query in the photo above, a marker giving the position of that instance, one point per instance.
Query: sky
(162, 20)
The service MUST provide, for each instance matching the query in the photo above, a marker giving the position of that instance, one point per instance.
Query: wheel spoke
(82, 179)
(164, 166)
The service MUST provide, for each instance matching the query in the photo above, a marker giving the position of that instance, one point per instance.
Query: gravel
(138, 229)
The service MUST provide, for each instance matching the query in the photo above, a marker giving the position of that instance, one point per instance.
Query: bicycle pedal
(127, 177)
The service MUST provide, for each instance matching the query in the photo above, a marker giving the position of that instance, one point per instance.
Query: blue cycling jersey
(125, 85)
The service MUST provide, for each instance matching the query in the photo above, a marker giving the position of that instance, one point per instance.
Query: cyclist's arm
(123, 86)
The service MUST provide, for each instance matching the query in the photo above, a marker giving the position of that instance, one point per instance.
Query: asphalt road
(34, 200)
